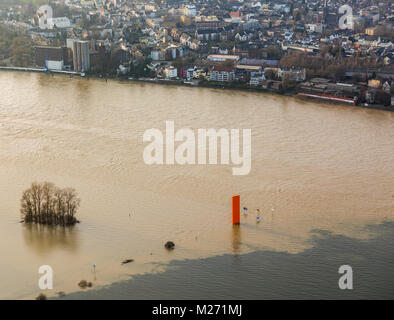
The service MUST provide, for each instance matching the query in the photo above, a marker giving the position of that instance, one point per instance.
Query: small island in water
(44, 203)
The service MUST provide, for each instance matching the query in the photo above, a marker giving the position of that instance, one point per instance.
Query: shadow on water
(43, 239)
(311, 274)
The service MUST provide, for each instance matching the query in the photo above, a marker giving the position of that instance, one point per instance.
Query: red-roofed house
(235, 14)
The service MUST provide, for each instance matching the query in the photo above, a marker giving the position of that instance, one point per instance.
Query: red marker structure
(236, 209)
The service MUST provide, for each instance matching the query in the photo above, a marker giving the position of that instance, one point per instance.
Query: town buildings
(222, 74)
(241, 42)
(52, 58)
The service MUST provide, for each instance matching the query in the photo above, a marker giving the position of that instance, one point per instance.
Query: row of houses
(255, 74)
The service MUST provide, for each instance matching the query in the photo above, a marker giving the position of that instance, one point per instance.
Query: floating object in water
(127, 261)
(84, 284)
(236, 209)
(41, 296)
(169, 245)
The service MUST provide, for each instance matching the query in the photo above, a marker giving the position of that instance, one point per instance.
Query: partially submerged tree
(44, 203)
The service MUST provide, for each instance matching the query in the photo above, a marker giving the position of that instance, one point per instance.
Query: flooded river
(319, 166)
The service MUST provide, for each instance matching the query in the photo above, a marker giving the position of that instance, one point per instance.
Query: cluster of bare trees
(44, 203)
(331, 62)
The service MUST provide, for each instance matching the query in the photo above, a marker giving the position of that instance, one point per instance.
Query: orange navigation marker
(236, 209)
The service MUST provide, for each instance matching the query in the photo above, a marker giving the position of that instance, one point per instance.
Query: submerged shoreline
(271, 274)
(289, 93)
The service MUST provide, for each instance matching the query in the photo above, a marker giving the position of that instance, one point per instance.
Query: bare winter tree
(44, 203)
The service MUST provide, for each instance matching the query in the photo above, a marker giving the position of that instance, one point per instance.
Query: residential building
(256, 79)
(81, 56)
(222, 74)
(292, 74)
(171, 72)
(157, 55)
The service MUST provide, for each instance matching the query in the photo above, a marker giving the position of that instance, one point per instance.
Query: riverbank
(271, 275)
(204, 84)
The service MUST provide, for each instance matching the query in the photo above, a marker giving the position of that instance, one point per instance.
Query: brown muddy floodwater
(319, 166)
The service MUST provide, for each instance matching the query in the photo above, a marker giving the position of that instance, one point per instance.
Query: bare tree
(44, 203)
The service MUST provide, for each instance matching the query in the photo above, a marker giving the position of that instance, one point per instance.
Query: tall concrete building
(81, 56)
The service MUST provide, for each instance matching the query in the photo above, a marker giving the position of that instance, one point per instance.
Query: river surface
(322, 168)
